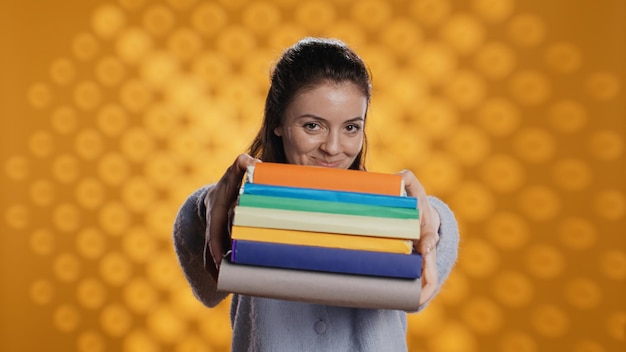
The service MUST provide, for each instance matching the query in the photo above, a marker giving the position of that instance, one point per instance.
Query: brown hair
(307, 63)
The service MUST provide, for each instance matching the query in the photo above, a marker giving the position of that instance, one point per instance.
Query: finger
(427, 242)
(429, 236)
(218, 249)
(415, 189)
(227, 189)
(214, 247)
(412, 186)
(209, 263)
(430, 278)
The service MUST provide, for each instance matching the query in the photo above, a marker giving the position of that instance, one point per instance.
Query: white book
(326, 222)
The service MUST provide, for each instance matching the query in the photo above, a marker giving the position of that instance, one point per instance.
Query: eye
(353, 128)
(312, 126)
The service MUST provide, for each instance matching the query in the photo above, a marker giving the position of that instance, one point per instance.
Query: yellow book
(322, 239)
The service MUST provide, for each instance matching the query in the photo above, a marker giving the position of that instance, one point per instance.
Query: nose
(331, 145)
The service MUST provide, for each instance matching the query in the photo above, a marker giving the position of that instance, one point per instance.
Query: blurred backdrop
(113, 111)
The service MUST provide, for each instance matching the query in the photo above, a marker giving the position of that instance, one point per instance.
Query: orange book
(290, 175)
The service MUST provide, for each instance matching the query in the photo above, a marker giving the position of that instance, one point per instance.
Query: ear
(278, 132)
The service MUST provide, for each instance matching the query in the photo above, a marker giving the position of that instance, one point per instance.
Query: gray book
(344, 290)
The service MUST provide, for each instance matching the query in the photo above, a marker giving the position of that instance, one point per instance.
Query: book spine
(405, 266)
(320, 239)
(321, 206)
(343, 290)
(329, 223)
(291, 175)
(331, 196)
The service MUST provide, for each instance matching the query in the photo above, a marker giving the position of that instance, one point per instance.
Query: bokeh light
(513, 121)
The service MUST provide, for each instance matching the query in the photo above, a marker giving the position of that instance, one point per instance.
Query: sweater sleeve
(189, 241)
(448, 246)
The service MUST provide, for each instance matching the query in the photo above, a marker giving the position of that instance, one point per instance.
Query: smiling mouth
(325, 163)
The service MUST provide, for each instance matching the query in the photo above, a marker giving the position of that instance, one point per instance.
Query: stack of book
(326, 236)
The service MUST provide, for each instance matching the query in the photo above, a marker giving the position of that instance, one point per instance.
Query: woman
(315, 114)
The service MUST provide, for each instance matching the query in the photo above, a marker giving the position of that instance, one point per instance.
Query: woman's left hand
(429, 235)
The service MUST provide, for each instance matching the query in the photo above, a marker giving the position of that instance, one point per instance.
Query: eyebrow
(354, 119)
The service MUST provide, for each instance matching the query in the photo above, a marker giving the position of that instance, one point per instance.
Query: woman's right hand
(220, 202)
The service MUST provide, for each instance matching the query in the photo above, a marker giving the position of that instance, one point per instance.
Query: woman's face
(323, 126)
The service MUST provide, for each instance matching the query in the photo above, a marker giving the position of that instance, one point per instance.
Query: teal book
(324, 206)
(381, 200)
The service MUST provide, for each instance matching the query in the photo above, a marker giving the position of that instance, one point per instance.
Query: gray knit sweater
(261, 324)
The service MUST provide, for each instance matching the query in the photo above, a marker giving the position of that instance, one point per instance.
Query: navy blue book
(335, 260)
(327, 195)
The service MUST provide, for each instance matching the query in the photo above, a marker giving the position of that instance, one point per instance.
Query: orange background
(113, 111)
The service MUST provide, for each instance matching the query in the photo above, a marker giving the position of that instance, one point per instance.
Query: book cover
(343, 290)
(321, 239)
(331, 196)
(336, 260)
(325, 222)
(292, 175)
(322, 206)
